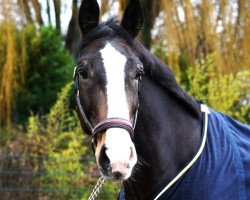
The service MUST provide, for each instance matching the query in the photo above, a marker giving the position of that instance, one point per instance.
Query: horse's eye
(84, 73)
(139, 74)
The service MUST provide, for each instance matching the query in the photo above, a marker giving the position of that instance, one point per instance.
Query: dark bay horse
(146, 130)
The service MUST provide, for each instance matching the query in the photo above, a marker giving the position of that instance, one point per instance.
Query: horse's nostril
(104, 160)
(117, 175)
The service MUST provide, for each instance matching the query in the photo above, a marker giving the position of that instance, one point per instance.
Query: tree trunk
(146, 36)
(73, 33)
(57, 6)
(48, 11)
(24, 7)
(151, 10)
(37, 8)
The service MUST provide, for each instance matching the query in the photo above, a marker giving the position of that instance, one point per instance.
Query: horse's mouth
(115, 176)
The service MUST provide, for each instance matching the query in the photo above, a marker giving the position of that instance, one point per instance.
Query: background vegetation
(43, 152)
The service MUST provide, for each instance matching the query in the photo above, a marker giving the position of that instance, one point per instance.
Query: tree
(151, 11)
(24, 7)
(37, 8)
(49, 68)
(8, 76)
(48, 11)
(73, 34)
(8, 63)
(26, 10)
(197, 29)
(57, 8)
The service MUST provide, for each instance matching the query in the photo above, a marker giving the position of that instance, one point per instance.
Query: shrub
(225, 92)
(228, 93)
(49, 68)
(68, 173)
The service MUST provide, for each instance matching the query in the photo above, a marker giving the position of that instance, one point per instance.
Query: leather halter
(105, 124)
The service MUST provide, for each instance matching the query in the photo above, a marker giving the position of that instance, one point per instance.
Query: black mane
(154, 68)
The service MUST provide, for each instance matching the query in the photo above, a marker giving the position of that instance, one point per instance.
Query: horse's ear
(132, 19)
(88, 16)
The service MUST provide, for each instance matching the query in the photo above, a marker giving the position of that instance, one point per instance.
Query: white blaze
(114, 64)
(118, 141)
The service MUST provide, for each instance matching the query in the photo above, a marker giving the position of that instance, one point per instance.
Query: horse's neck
(166, 138)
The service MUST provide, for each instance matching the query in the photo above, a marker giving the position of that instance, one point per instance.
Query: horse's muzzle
(116, 154)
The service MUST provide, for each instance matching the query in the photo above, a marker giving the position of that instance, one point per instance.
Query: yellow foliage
(223, 92)
(8, 73)
(198, 28)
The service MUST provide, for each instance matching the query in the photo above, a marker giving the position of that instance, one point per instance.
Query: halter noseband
(105, 124)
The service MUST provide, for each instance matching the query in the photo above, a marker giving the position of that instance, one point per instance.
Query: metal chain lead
(97, 188)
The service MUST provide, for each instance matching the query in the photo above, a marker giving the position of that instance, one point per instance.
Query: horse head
(107, 78)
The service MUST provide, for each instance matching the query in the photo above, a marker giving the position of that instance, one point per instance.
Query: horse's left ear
(88, 16)
(132, 19)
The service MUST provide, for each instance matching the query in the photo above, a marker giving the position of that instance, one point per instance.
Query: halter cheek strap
(86, 125)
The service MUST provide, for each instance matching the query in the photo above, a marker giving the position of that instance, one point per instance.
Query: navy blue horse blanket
(222, 171)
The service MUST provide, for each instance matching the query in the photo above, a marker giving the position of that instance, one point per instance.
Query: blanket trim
(206, 112)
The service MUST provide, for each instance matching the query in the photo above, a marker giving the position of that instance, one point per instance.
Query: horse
(147, 131)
